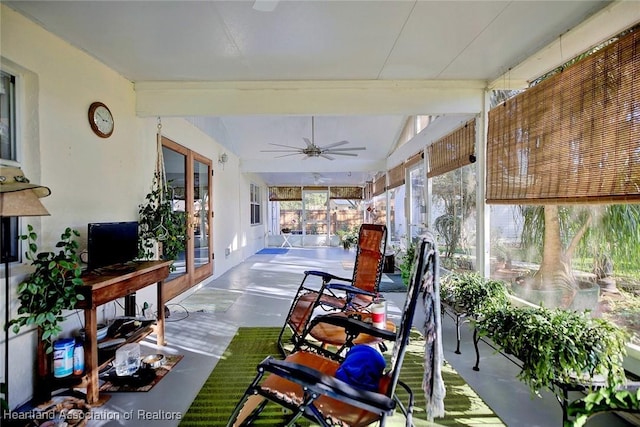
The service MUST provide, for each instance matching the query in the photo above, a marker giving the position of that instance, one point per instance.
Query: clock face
(100, 119)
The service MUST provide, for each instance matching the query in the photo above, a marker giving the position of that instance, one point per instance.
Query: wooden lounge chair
(305, 382)
(335, 293)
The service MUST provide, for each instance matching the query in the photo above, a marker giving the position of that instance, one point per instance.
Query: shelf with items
(48, 384)
(98, 289)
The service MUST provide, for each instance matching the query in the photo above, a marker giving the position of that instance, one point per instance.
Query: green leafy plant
(473, 294)
(159, 222)
(557, 345)
(51, 288)
(407, 258)
(602, 400)
(349, 237)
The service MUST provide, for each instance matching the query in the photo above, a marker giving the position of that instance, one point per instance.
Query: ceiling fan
(313, 150)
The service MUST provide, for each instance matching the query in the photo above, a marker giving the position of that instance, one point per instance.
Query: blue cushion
(362, 367)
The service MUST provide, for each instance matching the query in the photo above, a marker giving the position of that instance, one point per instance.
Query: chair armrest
(350, 289)
(317, 382)
(326, 277)
(353, 326)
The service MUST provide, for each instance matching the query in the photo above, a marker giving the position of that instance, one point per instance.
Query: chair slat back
(372, 244)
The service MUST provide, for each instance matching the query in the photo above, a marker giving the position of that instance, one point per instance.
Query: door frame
(327, 220)
(192, 275)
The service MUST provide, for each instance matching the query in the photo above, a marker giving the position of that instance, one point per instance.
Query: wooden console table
(100, 287)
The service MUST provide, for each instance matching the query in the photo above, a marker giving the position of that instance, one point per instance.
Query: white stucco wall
(94, 179)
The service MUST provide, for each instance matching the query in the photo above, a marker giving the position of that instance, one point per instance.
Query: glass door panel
(418, 207)
(175, 165)
(315, 218)
(201, 217)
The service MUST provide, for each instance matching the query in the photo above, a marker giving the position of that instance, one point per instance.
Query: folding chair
(336, 293)
(305, 383)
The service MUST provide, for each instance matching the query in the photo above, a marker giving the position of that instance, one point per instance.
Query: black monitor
(111, 243)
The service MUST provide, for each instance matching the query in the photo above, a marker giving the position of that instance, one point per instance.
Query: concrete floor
(261, 290)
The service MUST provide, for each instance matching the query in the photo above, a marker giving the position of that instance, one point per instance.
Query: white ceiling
(322, 41)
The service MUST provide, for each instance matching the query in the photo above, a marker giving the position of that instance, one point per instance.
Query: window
(10, 249)
(256, 217)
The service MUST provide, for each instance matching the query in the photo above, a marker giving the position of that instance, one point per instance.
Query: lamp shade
(18, 196)
(21, 203)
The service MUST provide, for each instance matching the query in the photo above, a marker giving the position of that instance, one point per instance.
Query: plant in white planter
(51, 288)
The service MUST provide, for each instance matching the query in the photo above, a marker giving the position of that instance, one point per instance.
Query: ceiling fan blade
(281, 151)
(326, 156)
(335, 144)
(288, 155)
(309, 143)
(333, 153)
(348, 149)
(288, 146)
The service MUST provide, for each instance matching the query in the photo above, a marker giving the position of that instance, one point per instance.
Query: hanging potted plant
(51, 288)
(159, 224)
(162, 229)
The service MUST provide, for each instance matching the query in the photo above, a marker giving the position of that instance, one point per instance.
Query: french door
(189, 175)
(315, 218)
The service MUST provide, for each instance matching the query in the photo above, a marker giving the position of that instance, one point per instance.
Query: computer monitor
(111, 243)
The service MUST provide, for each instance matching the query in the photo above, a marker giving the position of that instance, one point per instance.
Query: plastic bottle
(78, 357)
(63, 357)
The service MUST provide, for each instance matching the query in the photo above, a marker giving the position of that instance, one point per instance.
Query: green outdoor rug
(237, 368)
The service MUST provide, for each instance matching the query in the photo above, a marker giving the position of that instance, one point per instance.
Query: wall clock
(101, 120)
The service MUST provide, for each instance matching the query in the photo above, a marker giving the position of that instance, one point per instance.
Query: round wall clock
(101, 120)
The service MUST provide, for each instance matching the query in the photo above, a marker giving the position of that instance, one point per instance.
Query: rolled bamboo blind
(285, 194)
(353, 193)
(414, 160)
(379, 184)
(453, 151)
(573, 138)
(396, 176)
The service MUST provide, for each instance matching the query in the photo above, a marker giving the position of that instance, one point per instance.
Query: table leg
(91, 355)
(286, 241)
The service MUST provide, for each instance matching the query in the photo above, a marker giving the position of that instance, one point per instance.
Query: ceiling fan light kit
(313, 150)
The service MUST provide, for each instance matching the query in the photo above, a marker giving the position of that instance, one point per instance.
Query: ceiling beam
(602, 26)
(309, 97)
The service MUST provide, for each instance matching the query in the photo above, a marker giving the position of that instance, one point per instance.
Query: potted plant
(51, 288)
(557, 346)
(472, 294)
(405, 264)
(160, 224)
(348, 237)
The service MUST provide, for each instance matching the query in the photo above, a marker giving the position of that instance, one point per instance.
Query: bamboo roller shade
(573, 138)
(283, 194)
(396, 176)
(352, 193)
(379, 184)
(453, 151)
